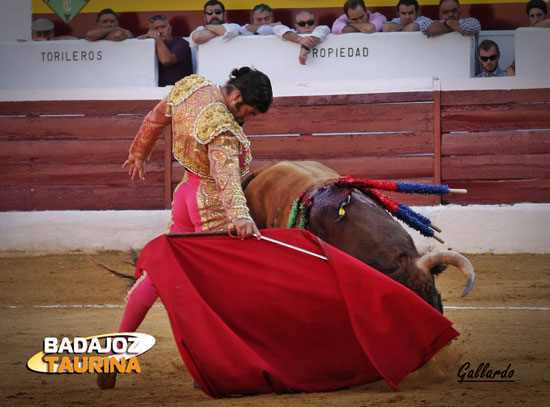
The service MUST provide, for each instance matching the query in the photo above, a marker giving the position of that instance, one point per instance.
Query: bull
(366, 232)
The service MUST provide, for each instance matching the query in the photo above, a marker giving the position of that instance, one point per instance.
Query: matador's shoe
(106, 380)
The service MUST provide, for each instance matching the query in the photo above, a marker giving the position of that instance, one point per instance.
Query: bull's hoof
(106, 380)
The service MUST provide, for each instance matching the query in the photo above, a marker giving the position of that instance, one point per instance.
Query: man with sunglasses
(451, 21)
(107, 28)
(174, 54)
(306, 33)
(488, 54)
(214, 25)
(357, 18)
(408, 19)
(262, 21)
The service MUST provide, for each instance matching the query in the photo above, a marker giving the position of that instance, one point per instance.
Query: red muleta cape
(254, 317)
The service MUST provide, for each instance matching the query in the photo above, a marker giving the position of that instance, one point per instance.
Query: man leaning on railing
(306, 33)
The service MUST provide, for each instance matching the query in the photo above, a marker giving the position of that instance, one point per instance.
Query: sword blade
(220, 233)
(292, 247)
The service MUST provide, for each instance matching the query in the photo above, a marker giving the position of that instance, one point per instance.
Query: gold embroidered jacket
(206, 138)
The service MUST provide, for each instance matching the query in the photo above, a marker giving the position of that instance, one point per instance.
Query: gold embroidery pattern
(214, 120)
(224, 166)
(186, 87)
(213, 214)
(208, 142)
(204, 113)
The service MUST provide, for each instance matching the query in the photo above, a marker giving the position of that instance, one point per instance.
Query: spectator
(538, 14)
(450, 21)
(262, 21)
(357, 18)
(174, 54)
(489, 54)
(312, 34)
(215, 25)
(43, 30)
(408, 19)
(107, 28)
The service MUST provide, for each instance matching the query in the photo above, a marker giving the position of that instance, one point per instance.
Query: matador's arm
(150, 130)
(223, 153)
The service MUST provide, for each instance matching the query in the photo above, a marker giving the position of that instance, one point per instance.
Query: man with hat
(43, 30)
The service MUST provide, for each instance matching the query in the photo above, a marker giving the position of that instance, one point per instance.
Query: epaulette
(214, 120)
(186, 87)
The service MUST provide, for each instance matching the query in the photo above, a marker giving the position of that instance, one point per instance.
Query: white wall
(351, 57)
(533, 52)
(78, 64)
(521, 228)
(15, 20)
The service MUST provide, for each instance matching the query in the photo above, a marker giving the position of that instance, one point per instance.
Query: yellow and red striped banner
(94, 6)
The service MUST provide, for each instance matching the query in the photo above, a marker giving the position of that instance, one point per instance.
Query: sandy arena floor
(517, 333)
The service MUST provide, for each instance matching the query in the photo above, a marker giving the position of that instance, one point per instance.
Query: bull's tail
(114, 272)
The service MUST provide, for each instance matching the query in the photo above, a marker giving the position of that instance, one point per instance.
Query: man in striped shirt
(450, 21)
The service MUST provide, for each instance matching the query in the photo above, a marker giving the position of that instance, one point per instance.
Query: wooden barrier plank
(362, 98)
(496, 142)
(326, 146)
(407, 199)
(500, 192)
(343, 119)
(70, 151)
(497, 96)
(495, 117)
(496, 167)
(74, 174)
(86, 107)
(437, 135)
(81, 197)
(167, 135)
(391, 168)
(70, 127)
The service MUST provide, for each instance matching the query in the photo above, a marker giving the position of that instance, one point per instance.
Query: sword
(291, 247)
(299, 249)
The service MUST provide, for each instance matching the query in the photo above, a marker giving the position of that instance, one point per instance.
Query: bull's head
(370, 234)
(431, 264)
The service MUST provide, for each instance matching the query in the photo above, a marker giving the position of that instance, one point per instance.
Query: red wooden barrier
(67, 154)
(496, 144)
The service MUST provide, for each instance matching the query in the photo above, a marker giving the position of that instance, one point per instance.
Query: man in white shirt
(215, 25)
(306, 33)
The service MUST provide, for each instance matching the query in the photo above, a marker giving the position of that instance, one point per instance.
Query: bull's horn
(430, 260)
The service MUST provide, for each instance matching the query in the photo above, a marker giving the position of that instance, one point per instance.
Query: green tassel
(303, 218)
(293, 217)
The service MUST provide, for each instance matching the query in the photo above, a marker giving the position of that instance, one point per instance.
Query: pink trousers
(185, 218)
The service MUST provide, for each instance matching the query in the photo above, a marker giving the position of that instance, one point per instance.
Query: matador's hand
(245, 227)
(137, 167)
